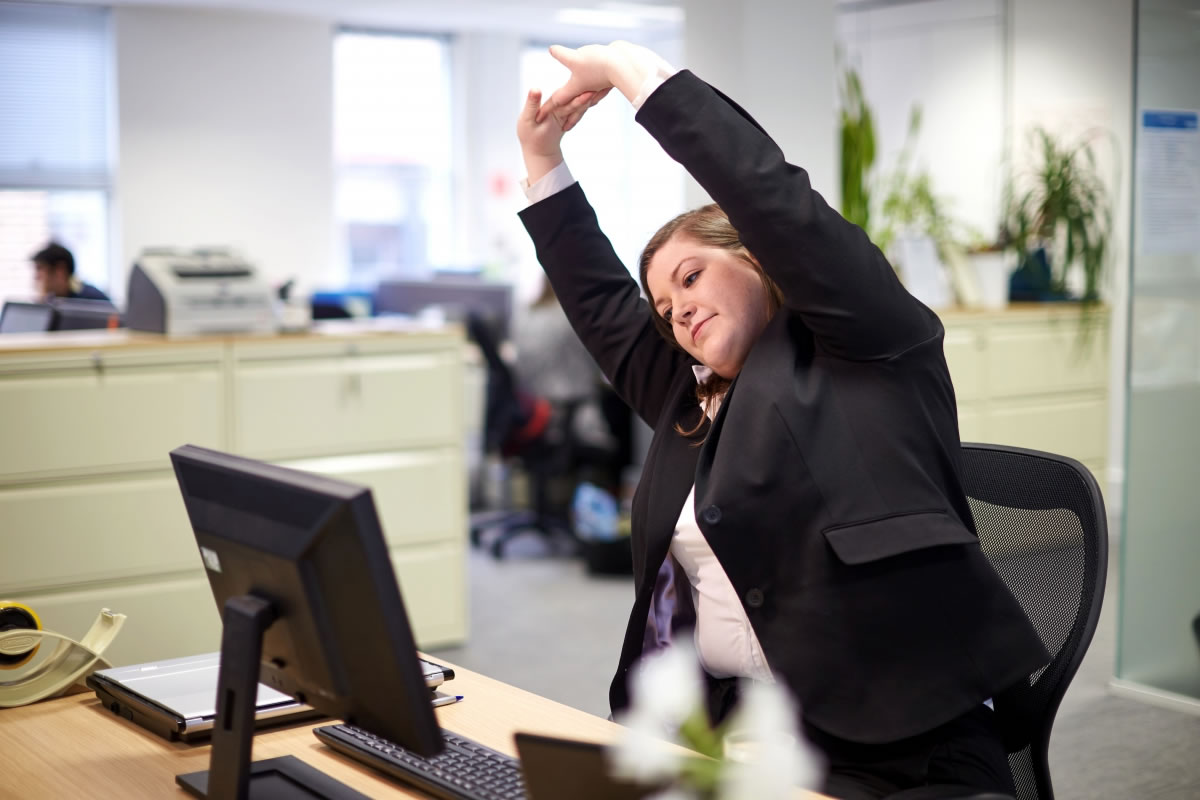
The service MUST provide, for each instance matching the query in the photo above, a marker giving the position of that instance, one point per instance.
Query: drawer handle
(98, 362)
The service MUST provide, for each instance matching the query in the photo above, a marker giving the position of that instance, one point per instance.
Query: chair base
(511, 524)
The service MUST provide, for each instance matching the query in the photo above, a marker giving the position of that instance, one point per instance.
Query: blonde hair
(708, 226)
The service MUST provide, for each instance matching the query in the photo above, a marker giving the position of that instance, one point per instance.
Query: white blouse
(725, 640)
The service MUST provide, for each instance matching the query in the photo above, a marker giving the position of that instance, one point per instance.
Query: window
(55, 115)
(633, 185)
(392, 153)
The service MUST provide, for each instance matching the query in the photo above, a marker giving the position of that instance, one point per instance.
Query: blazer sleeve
(831, 274)
(602, 301)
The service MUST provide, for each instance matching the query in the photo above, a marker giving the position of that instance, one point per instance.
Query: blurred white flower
(667, 685)
(675, 793)
(765, 756)
(643, 754)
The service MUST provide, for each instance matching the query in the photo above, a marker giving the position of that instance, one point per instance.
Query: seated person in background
(553, 363)
(55, 275)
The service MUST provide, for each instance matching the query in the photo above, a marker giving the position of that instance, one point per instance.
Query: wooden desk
(74, 747)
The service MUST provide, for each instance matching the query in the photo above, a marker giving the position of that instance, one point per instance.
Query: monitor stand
(230, 773)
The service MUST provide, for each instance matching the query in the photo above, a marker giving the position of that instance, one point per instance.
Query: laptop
(17, 317)
(176, 698)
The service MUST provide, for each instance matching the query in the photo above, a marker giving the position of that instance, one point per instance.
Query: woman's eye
(690, 278)
(667, 315)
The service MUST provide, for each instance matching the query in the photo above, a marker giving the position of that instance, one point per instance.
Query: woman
(806, 493)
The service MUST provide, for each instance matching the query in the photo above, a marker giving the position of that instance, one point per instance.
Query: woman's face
(714, 301)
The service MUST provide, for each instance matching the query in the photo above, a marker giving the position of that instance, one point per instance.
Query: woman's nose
(686, 313)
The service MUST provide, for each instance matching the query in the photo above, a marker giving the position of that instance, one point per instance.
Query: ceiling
(593, 20)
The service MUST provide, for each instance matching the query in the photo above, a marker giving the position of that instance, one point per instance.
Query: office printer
(182, 293)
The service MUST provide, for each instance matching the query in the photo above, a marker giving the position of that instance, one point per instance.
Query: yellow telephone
(29, 672)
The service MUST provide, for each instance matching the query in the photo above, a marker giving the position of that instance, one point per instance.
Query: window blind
(54, 88)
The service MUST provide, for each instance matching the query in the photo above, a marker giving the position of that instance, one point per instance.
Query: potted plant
(918, 233)
(1058, 217)
(990, 265)
(857, 128)
(909, 203)
(900, 211)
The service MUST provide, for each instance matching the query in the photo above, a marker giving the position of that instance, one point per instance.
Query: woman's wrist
(624, 71)
(538, 165)
(631, 66)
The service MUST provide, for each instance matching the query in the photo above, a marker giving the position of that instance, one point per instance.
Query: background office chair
(1041, 522)
(536, 433)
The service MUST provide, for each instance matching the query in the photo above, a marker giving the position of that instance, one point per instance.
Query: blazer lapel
(668, 476)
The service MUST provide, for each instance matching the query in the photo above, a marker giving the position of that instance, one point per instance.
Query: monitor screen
(313, 548)
(26, 317)
(458, 297)
(73, 314)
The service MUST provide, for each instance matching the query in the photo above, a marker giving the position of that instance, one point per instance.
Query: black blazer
(828, 484)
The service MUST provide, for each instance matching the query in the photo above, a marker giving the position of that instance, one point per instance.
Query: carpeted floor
(543, 624)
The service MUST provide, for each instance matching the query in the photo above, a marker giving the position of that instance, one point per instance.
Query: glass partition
(1158, 648)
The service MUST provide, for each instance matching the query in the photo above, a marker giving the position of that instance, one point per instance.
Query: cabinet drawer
(1045, 359)
(433, 584)
(1075, 428)
(420, 495)
(971, 427)
(166, 619)
(331, 345)
(966, 358)
(89, 421)
(61, 534)
(1100, 473)
(344, 405)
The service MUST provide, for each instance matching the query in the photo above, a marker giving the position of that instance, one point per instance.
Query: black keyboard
(464, 770)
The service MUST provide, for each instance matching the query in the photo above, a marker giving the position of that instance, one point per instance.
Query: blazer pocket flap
(882, 538)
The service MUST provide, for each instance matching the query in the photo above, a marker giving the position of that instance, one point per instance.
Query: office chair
(534, 432)
(1041, 522)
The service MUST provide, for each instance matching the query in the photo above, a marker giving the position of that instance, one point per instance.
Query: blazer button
(754, 598)
(712, 515)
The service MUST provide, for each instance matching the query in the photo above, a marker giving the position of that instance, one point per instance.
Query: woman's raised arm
(829, 270)
(600, 298)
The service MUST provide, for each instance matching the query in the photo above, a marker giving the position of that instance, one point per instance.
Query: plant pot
(992, 272)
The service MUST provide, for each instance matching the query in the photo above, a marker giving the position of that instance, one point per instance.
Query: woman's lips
(698, 327)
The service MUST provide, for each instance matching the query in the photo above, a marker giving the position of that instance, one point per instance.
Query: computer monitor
(72, 314)
(26, 317)
(458, 297)
(311, 608)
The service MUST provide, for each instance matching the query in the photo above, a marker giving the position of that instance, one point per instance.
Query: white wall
(775, 59)
(486, 102)
(225, 136)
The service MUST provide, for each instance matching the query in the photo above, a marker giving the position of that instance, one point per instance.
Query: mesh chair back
(1041, 522)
